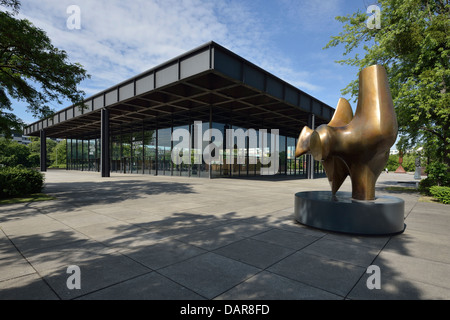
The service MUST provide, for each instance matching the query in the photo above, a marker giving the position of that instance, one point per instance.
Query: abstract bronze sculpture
(356, 145)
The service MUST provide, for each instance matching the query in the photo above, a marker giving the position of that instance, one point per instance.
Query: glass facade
(145, 148)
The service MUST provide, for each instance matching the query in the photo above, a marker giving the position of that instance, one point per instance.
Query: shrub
(425, 185)
(19, 181)
(13, 153)
(442, 194)
(438, 175)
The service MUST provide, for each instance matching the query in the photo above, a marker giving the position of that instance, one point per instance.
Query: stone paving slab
(333, 276)
(209, 274)
(163, 253)
(150, 286)
(270, 286)
(257, 253)
(179, 238)
(27, 287)
(394, 287)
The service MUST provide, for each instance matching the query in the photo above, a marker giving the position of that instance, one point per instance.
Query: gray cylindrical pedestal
(319, 209)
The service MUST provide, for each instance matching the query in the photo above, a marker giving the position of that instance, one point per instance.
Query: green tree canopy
(413, 44)
(32, 70)
(13, 153)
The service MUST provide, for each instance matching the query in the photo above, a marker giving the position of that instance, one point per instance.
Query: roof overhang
(207, 77)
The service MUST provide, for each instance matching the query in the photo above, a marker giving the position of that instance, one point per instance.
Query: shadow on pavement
(179, 257)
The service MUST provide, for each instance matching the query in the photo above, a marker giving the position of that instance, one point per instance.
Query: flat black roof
(186, 87)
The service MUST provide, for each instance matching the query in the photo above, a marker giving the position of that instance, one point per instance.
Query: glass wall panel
(138, 152)
(77, 155)
(204, 167)
(258, 154)
(196, 149)
(238, 161)
(126, 153)
(92, 155)
(217, 152)
(115, 154)
(164, 152)
(150, 152)
(301, 165)
(318, 168)
(69, 154)
(85, 157)
(181, 167)
(82, 154)
(291, 164)
(98, 153)
(282, 153)
(266, 148)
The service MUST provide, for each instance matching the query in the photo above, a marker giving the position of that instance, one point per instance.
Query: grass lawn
(423, 198)
(402, 189)
(29, 198)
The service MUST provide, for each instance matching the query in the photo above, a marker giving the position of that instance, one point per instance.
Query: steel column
(43, 156)
(105, 150)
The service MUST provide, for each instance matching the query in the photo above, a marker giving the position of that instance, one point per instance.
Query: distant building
(393, 152)
(20, 138)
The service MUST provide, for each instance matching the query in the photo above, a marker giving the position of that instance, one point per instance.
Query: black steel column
(43, 151)
(210, 141)
(67, 155)
(309, 157)
(143, 147)
(285, 155)
(105, 152)
(171, 145)
(190, 146)
(82, 154)
(156, 150)
(71, 154)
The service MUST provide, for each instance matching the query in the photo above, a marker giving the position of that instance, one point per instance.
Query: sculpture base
(341, 213)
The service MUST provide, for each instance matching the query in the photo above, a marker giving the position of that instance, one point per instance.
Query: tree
(413, 44)
(32, 70)
(392, 163)
(13, 153)
(35, 150)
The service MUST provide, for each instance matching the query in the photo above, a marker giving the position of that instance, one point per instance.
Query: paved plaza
(180, 238)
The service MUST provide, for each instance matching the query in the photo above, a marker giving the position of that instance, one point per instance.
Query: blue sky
(119, 39)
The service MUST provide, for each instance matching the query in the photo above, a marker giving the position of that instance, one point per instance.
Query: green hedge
(19, 181)
(442, 194)
(438, 175)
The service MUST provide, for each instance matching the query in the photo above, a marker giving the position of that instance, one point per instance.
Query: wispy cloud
(120, 39)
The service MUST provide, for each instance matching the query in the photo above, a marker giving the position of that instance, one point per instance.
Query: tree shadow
(71, 196)
(129, 260)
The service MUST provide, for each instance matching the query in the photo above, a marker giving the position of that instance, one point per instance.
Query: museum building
(128, 127)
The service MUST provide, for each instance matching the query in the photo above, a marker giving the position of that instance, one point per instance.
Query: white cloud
(119, 39)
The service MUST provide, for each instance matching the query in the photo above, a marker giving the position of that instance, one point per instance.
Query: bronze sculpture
(356, 145)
